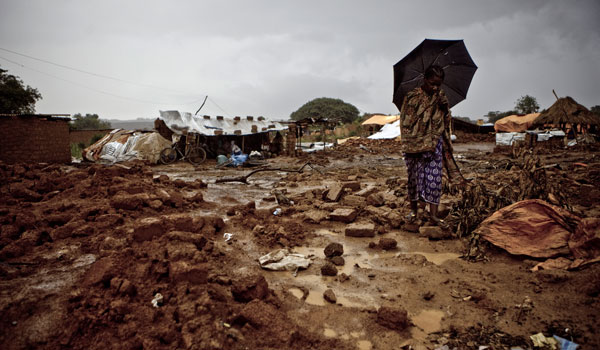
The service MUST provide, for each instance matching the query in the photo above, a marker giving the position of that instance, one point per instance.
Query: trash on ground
(541, 341)
(566, 344)
(157, 300)
(283, 260)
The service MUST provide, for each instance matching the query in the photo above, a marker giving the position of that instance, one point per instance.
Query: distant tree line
(88, 122)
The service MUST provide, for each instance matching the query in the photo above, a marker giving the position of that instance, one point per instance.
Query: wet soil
(135, 256)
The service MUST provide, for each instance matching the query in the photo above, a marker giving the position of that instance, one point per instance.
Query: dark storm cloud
(269, 58)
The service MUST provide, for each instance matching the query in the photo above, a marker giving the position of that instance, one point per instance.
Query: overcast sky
(270, 57)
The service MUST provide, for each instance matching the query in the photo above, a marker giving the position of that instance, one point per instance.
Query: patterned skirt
(425, 175)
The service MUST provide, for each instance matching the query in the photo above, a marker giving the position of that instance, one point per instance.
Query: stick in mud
(244, 179)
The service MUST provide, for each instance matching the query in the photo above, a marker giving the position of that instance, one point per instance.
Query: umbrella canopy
(566, 111)
(451, 55)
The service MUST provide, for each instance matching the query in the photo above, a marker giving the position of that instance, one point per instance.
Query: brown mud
(134, 256)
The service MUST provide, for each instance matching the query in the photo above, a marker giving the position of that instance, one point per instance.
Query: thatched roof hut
(566, 111)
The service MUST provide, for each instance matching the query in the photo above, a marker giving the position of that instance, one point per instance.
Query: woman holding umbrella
(424, 118)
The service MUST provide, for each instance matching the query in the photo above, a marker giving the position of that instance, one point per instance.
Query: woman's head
(434, 77)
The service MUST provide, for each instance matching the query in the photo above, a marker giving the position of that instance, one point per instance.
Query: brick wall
(85, 136)
(32, 139)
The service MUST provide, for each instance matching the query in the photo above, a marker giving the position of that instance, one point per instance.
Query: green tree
(596, 110)
(494, 116)
(89, 122)
(464, 119)
(327, 108)
(14, 96)
(527, 104)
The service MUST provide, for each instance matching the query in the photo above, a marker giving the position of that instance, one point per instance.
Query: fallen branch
(244, 178)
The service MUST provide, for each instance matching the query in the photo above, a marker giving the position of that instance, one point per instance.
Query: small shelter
(216, 133)
(566, 112)
(381, 119)
(515, 122)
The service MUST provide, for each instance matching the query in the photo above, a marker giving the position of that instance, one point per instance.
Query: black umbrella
(451, 55)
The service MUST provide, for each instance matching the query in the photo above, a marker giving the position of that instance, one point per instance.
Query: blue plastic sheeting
(239, 159)
(566, 344)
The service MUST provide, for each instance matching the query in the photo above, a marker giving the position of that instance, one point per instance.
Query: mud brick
(129, 201)
(375, 199)
(343, 215)
(329, 206)
(335, 192)
(147, 228)
(352, 177)
(366, 191)
(360, 230)
(102, 270)
(353, 185)
(183, 271)
(181, 222)
(250, 288)
(315, 216)
(353, 200)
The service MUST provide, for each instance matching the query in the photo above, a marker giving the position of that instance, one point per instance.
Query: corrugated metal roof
(211, 126)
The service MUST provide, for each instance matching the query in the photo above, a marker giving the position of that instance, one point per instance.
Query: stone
(388, 243)
(434, 232)
(346, 215)
(393, 318)
(411, 227)
(337, 261)
(329, 269)
(329, 295)
(360, 230)
(333, 249)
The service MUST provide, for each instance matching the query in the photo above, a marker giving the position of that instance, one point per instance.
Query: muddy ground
(135, 256)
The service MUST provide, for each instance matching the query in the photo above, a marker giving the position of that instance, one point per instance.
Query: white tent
(211, 126)
(388, 131)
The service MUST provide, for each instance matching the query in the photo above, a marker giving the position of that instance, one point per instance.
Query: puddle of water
(364, 345)
(296, 292)
(317, 285)
(325, 232)
(436, 258)
(329, 333)
(426, 322)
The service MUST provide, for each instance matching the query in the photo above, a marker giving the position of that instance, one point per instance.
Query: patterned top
(422, 120)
